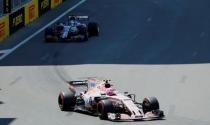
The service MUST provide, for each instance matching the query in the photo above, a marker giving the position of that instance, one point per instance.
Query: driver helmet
(107, 85)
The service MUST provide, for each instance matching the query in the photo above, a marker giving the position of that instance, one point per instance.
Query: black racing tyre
(150, 104)
(50, 35)
(104, 107)
(93, 29)
(66, 101)
(49, 31)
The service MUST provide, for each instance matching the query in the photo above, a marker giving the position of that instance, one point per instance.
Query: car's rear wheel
(104, 107)
(66, 101)
(150, 104)
(93, 29)
(50, 35)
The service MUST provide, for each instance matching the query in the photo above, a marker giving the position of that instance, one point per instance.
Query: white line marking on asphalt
(5, 51)
(9, 51)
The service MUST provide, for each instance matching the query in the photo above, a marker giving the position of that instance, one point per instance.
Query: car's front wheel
(104, 107)
(66, 100)
(150, 104)
(93, 29)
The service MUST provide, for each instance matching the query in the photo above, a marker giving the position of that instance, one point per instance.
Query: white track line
(9, 51)
(4, 51)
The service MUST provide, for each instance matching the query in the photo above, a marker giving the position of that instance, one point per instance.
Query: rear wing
(86, 83)
(78, 83)
(80, 18)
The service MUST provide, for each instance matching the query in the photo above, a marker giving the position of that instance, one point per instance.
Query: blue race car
(77, 28)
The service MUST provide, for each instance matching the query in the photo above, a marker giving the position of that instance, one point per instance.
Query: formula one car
(77, 28)
(101, 99)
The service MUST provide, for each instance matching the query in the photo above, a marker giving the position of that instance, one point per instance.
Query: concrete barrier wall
(16, 20)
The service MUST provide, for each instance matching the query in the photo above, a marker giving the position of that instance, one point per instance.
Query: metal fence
(15, 4)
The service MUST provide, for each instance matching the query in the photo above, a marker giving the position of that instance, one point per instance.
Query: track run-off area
(147, 47)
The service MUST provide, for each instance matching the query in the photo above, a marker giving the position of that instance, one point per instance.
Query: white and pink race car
(99, 98)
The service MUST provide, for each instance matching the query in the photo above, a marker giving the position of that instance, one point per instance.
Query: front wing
(144, 117)
(123, 117)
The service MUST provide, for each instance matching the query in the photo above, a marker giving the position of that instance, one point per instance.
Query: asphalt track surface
(148, 47)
